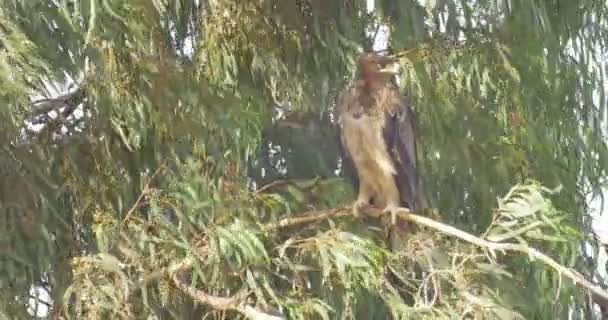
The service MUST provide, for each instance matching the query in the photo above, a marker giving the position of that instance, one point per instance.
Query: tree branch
(533, 253)
(234, 303)
(69, 100)
(144, 192)
(405, 214)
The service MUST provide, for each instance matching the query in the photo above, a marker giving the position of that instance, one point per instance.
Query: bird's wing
(344, 105)
(400, 136)
(348, 165)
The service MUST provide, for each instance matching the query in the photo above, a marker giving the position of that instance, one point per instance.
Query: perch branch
(405, 214)
(533, 253)
(237, 303)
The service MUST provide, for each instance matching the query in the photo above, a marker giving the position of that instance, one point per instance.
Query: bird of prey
(376, 127)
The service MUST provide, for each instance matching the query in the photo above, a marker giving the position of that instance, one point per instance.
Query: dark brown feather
(375, 100)
(403, 137)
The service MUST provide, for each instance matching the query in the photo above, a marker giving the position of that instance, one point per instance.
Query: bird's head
(377, 69)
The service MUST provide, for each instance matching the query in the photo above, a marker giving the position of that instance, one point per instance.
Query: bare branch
(532, 253)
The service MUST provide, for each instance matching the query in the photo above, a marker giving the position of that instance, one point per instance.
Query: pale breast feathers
(362, 135)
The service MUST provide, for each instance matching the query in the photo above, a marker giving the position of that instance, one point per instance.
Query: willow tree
(177, 160)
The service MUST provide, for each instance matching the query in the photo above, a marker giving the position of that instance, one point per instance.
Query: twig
(234, 303)
(144, 192)
(272, 184)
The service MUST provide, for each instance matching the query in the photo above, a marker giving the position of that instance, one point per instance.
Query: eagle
(376, 129)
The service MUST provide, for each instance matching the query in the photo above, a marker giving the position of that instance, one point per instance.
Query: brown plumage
(377, 135)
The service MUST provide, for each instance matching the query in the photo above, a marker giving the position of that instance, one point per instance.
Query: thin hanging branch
(234, 303)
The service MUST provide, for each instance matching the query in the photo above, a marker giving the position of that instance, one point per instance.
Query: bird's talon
(357, 206)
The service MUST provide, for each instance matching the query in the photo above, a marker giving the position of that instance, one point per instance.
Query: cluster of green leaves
(329, 269)
(192, 106)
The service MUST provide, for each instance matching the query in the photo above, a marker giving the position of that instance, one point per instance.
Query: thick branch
(69, 100)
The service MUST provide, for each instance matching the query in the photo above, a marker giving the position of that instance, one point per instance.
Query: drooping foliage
(138, 137)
